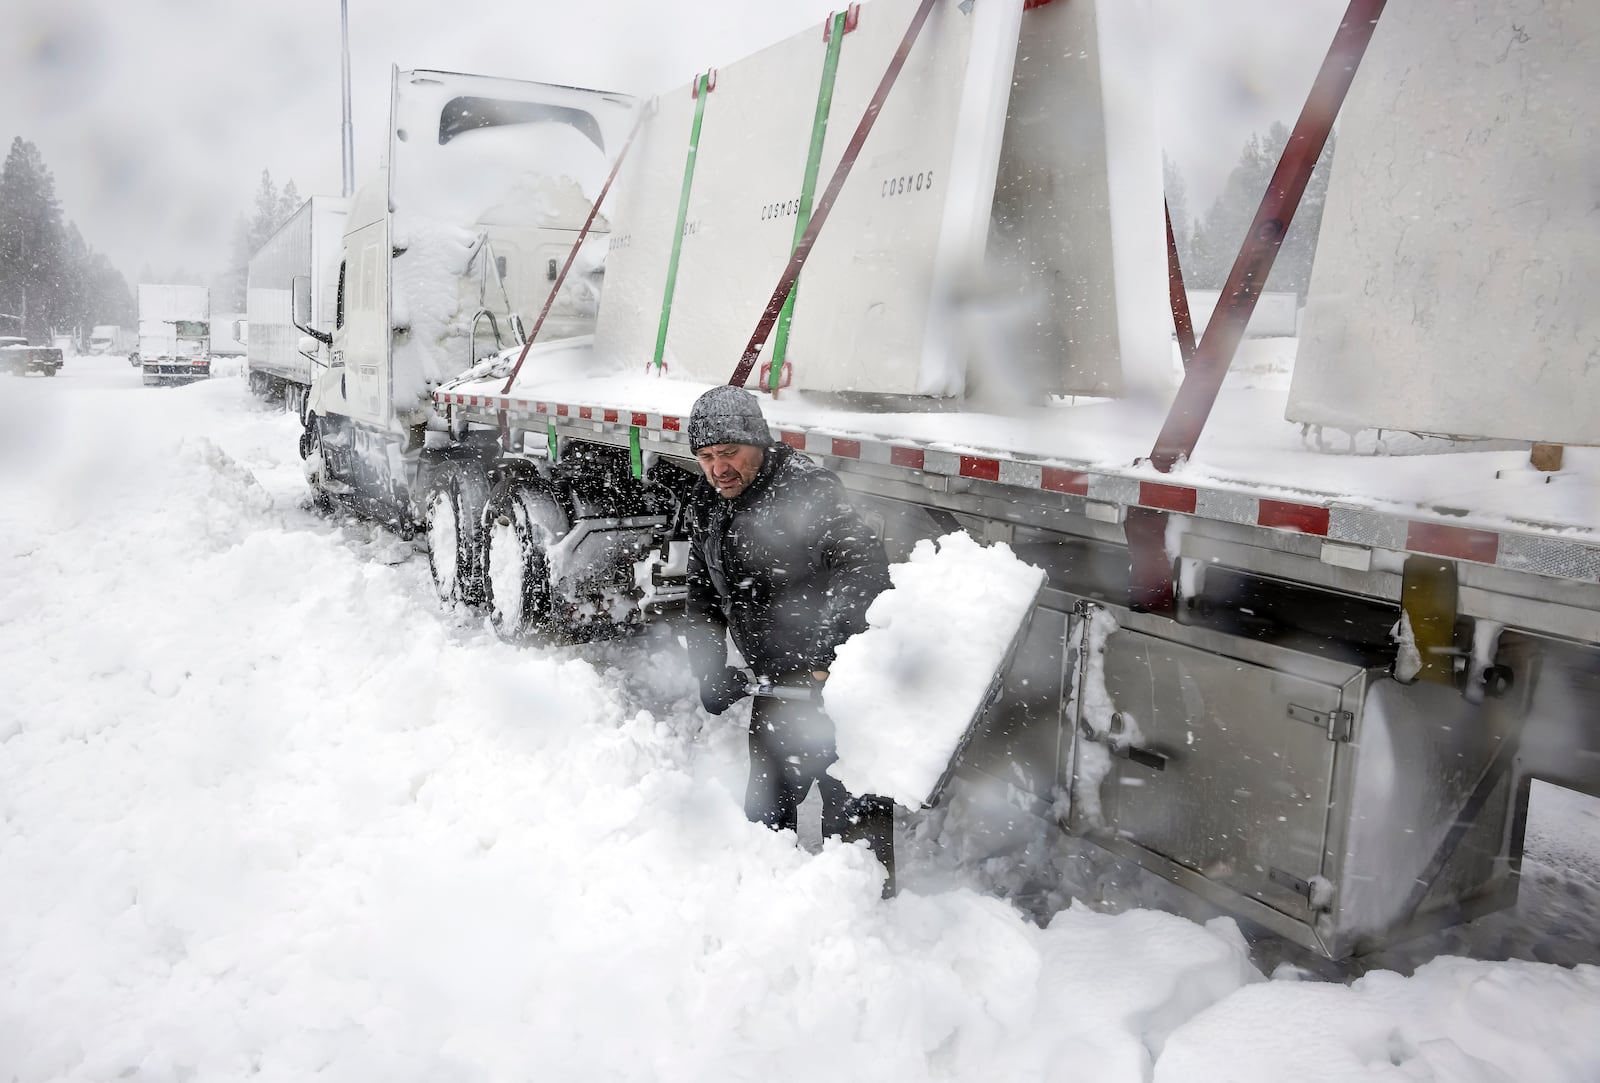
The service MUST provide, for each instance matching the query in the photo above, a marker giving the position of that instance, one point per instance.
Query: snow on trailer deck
(249, 828)
(1252, 467)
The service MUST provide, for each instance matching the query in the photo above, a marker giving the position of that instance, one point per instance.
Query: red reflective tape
(847, 449)
(906, 456)
(541, 408)
(640, 420)
(1153, 494)
(1457, 542)
(793, 439)
(983, 469)
(586, 413)
(1058, 480)
(472, 401)
(1282, 515)
(670, 423)
(561, 409)
(609, 415)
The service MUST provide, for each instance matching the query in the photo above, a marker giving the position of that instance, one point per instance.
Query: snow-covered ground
(266, 811)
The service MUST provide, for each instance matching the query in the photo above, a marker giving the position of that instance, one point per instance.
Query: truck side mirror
(300, 301)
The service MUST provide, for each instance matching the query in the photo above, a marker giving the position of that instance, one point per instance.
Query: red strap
(1202, 379)
(572, 255)
(1181, 321)
(802, 249)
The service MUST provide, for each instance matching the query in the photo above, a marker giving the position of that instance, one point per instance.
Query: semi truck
(174, 333)
(1301, 651)
(279, 357)
(117, 341)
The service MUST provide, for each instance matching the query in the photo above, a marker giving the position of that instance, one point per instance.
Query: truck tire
(455, 532)
(521, 524)
(315, 466)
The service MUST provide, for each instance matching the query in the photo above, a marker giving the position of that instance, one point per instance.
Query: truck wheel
(316, 465)
(523, 522)
(455, 532)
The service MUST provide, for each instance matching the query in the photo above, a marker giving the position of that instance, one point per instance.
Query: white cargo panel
(1457, 266)
(886, 302)
(306, 245)
(865, 295)
(161, 306)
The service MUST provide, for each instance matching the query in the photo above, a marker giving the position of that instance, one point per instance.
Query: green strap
(552, 440)
(808, 188)
(702, 89)
(635, 453)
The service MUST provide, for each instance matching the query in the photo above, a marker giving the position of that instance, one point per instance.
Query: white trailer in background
(279, 357)
(229, 334)
(1277, 313)
(174, 333)
(1312, 686)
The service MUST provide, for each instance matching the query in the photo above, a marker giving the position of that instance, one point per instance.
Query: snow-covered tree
(1177, 193)
(272, 209)
(49, 275)
(31, 240)
(1218, 236)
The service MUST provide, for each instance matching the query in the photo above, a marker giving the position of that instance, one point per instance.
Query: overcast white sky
(157, 116)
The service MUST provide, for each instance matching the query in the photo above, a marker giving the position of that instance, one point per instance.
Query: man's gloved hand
(721, 690)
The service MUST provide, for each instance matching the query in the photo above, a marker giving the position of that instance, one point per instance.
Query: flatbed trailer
(1307, 669)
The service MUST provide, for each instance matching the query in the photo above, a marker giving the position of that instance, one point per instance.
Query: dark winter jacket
(787, 566)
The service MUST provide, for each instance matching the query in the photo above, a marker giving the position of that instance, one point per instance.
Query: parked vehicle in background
(174, 333)
(19, 358)
(66, 344)
(279, 356)
(229, 334)
(110, 338)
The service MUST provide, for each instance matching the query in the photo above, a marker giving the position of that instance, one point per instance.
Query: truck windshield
(466, 113)
(192, 328)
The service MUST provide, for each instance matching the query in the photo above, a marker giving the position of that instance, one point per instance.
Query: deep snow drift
(266, 811)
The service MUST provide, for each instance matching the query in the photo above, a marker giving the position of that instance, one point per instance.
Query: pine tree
(263, 222)
(272, 209)
(288, 202)
(31, 240)
(1218, 237)
(49, 274)
(1293, 269)
(1178, 210)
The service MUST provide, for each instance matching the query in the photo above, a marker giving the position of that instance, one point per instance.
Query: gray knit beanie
(727, 415)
